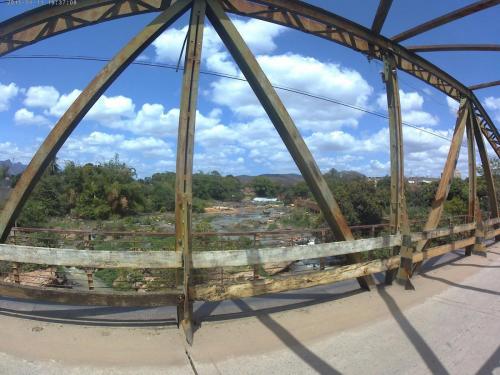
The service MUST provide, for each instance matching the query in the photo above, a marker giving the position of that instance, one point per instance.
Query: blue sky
(138, 116)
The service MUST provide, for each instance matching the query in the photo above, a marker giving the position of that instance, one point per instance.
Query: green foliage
(357, 196)
(214, 186)
(289, 193)
(3, 172)
(264, 187)
(302, 218)
(203, 226)
(111, 190)
(46, 199)
(199, 205)
(160, 192)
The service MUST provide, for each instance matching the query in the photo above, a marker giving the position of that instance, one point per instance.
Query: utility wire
(228, 76)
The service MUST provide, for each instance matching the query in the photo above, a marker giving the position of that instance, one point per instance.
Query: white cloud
(100, 146)
(25, 117)
(379, 168)
(108, 111)
(7, 93)
(63, 103)
(143, 143)
(411, 108)
(420, 118)
(152, 119)
(452, 105)
(100, 138)
(9, 150)
(41, 96)
(493, 103)
(333, 141)
(259, 36)
(290, 70)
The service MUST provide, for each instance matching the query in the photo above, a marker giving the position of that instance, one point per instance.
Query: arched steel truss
(47, 21)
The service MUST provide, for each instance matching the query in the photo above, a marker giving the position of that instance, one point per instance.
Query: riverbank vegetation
(112, 190)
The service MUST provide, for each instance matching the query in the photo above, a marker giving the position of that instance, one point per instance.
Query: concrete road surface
(449, 325)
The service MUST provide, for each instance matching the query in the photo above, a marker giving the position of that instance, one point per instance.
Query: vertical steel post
(472, 209)
(185, 151)
(284, 124)
(398, 213)
(488, 176)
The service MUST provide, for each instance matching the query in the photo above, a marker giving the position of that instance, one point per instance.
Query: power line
(228, 76)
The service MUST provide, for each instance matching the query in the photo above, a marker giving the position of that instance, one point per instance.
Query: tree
(263, 187)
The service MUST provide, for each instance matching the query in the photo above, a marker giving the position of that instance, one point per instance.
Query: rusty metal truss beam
(444, 19)
(381, 15)
(448, 171)
(484, 85)
(185, 153)
(454, 47)
(47, 21)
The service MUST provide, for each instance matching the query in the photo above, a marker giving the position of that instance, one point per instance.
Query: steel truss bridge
(409, 248)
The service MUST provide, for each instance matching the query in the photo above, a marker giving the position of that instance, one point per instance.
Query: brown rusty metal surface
(484, 85)
(185, 152)
(381, 15)
(473, 209)
(471, 159)
(71, 118)
(46, 21)
(447, 175)
(444, 19)
(488, 176)
(291, 13)
(454, 47)
(398, 214)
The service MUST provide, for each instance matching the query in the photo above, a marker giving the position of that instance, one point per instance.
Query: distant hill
(13, 168)
(283, 179)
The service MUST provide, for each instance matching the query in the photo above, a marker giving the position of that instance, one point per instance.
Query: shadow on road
(423, 349)
(312, 299)
(456, 285)
(83, 316)
(491, 364)
(291, 342)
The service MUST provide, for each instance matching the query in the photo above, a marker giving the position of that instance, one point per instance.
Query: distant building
(457, 174)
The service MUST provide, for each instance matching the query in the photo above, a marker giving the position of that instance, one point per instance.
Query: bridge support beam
(284, 125)
(473, 209)
(78, 109)
(488, 176)
(398, 212)
(448, 171)
(184, 165)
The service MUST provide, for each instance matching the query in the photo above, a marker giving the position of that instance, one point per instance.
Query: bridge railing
(234, 273)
